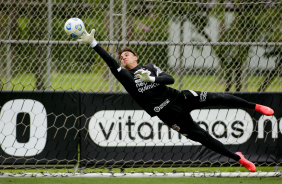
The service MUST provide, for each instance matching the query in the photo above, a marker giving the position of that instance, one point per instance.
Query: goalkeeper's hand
(88, 38)
(144, 75)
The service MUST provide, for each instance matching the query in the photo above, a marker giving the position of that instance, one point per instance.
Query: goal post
(62, 113)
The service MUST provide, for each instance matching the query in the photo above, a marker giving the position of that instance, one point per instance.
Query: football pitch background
(243, 180)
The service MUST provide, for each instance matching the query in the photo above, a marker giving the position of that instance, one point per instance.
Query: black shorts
(188, 100)
(179, 111)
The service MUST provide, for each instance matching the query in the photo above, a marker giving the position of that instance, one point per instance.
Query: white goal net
(63, 112)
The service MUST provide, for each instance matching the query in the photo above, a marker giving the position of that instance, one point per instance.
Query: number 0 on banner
(8, 127)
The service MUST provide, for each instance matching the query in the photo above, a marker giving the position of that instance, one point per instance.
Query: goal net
(64, 113)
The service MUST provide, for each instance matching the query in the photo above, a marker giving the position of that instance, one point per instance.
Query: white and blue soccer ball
(74, 27)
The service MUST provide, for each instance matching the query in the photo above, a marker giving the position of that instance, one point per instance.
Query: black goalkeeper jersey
(151, 96)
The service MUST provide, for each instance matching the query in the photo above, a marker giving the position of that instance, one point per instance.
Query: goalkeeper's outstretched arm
(111, 62)
(161, 78)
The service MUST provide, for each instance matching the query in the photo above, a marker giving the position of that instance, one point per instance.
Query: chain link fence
(212, 45)
(206, 45)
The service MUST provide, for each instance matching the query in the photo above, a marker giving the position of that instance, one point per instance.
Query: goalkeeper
(148, 86)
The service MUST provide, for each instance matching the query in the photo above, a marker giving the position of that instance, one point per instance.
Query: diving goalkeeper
(148, 86)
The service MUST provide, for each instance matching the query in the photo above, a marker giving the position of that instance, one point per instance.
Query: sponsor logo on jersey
(143, 86)
(203, 96)
(160, 107)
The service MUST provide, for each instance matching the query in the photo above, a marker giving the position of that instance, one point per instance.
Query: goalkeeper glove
(144, 75)
(88, 38)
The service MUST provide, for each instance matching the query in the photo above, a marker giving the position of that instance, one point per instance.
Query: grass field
(150, 170)
(141, 180)
(97, 82)
(103, 174)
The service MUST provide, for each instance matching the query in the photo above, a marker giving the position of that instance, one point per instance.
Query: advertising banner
(117, 131)
(110, 128)
(39, 127)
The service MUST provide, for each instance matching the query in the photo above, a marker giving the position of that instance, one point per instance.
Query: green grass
(142, 180)
(149, 170)
(149, 180)
(187, 169)
(98, 82)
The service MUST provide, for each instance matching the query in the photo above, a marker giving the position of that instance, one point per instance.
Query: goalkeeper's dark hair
(126, 49)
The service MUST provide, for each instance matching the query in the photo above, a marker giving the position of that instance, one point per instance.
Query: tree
(250, 24)
(272, 22)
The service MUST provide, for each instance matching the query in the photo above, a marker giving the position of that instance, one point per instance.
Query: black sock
(196, 133)
(229, 101)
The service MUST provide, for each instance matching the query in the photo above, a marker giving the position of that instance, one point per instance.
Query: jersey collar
(136, 68)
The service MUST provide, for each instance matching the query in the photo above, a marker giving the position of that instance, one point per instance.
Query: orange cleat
(264, 110)
(246, 163)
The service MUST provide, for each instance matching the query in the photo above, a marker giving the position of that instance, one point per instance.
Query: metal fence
(212, 45)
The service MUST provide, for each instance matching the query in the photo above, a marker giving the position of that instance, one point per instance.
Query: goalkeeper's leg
(194, 132)
(199, 99)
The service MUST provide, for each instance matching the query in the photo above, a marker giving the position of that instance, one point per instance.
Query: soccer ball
(74, 27)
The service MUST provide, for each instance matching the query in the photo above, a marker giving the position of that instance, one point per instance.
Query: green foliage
(146, 21)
